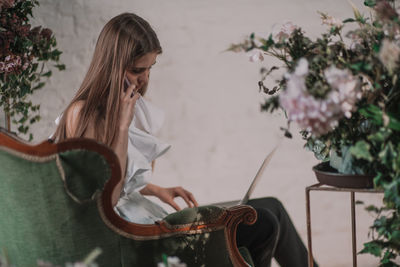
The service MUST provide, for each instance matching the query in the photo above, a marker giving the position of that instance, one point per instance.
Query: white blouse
(143, 148)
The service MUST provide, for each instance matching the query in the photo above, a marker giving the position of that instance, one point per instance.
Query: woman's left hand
(169, 194)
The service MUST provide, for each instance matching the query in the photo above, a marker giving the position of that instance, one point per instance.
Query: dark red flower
(46, 33)
(36, 30)
(6, 4)
(24, 30)
(3, 22)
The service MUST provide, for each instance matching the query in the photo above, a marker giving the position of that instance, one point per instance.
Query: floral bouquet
(343, 91)
(24, 52)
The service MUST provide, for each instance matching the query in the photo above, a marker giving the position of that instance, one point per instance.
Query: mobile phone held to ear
(126, 84)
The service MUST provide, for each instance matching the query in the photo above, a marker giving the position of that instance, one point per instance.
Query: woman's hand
(127, 106)
(168, 195)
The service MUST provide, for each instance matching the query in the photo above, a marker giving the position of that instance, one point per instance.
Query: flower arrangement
(89, 260)
(170, 262)
(24, 52)
(343, 91)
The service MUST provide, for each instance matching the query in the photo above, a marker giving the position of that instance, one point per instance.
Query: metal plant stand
(321, 187)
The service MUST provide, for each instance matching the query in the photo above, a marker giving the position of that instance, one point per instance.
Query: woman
(109, 108)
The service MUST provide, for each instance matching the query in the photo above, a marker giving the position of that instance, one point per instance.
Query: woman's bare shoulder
(72, 117)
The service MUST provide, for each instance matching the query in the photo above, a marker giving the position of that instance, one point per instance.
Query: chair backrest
(55, 205)
(47, 202)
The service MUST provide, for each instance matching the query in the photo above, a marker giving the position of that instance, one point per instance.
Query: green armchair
(55, 205)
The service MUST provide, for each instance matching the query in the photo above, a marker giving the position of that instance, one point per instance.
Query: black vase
(330, 176)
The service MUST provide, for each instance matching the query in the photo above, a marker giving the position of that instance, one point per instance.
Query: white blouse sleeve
(143, 146)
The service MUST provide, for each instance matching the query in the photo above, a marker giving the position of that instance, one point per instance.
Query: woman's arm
(120, 144)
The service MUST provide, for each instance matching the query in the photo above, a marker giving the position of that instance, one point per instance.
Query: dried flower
(331, 21)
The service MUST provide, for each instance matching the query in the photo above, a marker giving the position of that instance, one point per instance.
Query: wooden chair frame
(228, 220)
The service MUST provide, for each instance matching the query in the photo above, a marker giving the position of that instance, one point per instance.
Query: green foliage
(366, 140)
(361, 150)
(24, 55)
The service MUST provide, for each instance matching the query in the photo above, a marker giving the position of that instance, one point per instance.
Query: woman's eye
(137, 71)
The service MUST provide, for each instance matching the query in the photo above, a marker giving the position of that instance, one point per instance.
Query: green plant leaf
(370, 3)
(47, 74)
(372, 112)
(388, 154)
(361, 151)
(373, 248)
(60, 66)
(372, 208)
(348, 20)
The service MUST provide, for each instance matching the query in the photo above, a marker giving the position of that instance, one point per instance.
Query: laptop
(253, 184)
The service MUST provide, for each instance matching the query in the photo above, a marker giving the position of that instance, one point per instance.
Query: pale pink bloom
(302, 67)
(25, 66)
(172, 262)
(18, 61)
(8, 68)
(2, 67)
(283, 32)
(389, 54)
(256, 56)
(319, 116)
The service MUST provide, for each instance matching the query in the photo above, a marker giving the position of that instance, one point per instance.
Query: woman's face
(138, 74)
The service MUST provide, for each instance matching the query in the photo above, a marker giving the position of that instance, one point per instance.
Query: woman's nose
(144, 78)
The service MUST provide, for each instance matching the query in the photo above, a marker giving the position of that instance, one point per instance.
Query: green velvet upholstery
(49, 212)
(43, 222)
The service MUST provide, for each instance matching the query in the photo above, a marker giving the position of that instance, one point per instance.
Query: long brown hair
(123, 39)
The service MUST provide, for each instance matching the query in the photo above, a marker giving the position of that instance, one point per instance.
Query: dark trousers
(272, 235)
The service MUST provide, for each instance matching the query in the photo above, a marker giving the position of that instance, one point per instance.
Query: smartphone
(126, 84)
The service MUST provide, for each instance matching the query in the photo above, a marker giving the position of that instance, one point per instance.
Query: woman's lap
(273, 235)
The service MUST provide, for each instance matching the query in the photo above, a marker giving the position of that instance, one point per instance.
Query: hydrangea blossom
(319, 116)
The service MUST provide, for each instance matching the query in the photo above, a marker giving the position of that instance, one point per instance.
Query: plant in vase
(24, 52)
(343, 91)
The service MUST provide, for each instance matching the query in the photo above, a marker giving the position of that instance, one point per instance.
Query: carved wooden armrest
(226, 219)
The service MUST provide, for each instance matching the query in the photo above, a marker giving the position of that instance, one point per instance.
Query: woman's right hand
(127, 106)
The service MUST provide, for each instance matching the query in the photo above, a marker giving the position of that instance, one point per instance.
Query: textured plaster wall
(211, 99)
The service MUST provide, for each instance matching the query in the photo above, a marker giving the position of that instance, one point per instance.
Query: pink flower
(25, 66)
(256, 56)
(283, 33)
(319, 116)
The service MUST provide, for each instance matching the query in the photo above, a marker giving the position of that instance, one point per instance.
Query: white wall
(214, 123)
